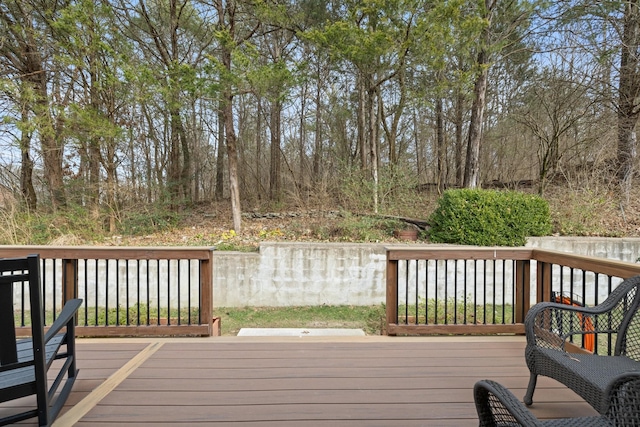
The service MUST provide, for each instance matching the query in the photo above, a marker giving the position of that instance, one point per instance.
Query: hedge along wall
(489, 218)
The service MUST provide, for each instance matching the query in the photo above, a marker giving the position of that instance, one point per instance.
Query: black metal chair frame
(549, 327)
(25, 363)
(498, 407)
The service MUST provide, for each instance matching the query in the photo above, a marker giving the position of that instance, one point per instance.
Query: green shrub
(489, 218)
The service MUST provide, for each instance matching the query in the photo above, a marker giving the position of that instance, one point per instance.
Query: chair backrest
(627, 317)
(20, 270)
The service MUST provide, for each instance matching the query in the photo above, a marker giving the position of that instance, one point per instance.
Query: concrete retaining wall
(284, 274)
(624, 249)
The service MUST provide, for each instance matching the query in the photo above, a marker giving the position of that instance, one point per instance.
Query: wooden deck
(347, 381)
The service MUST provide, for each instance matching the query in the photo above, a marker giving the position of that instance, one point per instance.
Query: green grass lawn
(455, 312)
(368, 318)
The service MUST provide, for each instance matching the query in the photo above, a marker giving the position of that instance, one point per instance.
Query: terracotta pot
(407, 234)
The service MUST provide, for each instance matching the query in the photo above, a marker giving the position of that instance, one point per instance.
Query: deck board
(375, 382)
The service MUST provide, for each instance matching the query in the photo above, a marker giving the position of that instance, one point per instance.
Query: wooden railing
(130, 291)
(126, 291)
(471, 290)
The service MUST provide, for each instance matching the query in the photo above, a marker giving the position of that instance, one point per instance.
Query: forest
(121, 105)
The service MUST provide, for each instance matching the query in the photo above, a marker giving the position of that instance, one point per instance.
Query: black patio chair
(498, 407)
(25, 363)
(549, 327)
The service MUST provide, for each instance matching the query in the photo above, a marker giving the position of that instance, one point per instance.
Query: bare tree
(231, 38)
(557, 108)
(628, 95)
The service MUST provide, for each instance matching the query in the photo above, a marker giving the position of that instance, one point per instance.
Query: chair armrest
(497, 406)
(552, 323)
(66, 315)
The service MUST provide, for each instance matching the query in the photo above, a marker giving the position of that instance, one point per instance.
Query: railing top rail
(110, 252)
(438, 252)
(609, 267)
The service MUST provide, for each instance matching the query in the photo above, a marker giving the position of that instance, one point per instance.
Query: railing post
(392, 293)
(206, 293)
(523, 289)
(69, 279)
(543, 281)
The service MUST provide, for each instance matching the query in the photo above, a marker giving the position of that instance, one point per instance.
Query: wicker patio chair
(498, 407)
(549, 327)
(24, 363)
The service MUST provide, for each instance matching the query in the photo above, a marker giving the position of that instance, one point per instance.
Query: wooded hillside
(114, 105)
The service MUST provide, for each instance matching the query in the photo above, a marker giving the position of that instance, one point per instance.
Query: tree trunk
(94, 177)
(392, 132)
(195, 177)
(317, 152)
(51, 148)
(416, 141)
(226, 13)
(26, 169)
(361, 120)
(303, 139)
(232, 155)
(111, 167)
(628, 92)
(134, 167)
(440, 149)
(186, 171)
(459, 145)
(372, 136)
(274, 172)
(472, 166)
(94, 150)
(232, 150)
(219, 189)
(173, 178)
